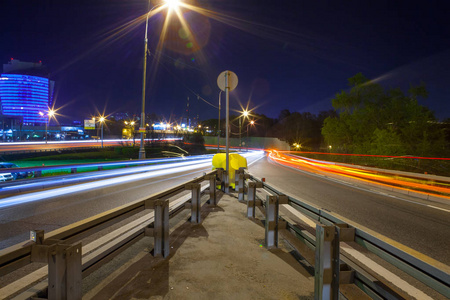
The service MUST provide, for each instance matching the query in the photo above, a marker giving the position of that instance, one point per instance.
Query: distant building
(26, 92)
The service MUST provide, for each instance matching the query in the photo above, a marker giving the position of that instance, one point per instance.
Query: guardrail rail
(62, 249)
(331, 267)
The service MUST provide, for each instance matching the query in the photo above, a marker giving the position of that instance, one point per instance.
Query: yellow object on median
(236, 161)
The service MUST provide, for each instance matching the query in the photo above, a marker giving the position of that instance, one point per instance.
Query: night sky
(292, 55)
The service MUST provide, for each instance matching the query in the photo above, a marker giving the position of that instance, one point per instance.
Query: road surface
(419, 224)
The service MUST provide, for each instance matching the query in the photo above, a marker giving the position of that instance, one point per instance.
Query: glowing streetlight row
(50, 114)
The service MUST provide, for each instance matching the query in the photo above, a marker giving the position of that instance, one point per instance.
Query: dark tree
(373, 120)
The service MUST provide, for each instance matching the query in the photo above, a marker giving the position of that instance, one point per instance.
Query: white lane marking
(388, 275)
(256, 160)
(447, 210)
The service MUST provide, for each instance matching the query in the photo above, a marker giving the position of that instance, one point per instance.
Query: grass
(104, 155)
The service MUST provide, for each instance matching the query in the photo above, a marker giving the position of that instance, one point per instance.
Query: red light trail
(430, 187)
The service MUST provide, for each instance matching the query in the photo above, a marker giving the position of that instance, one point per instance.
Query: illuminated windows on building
(26, 96)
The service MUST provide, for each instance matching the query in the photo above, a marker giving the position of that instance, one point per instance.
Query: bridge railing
(331, 267)
(62, 250)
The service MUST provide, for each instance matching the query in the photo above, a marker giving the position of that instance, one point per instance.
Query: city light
(172, 4)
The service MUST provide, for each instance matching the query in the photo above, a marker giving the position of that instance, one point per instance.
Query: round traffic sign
(232, 80)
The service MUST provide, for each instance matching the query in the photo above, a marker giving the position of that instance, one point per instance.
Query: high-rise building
(26, 92)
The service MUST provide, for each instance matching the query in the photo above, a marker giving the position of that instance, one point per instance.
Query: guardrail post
(73, 170)
(100, 168)
(251, 197)
(220, 177)
(237, 178)
(212, 190)
(271, 222)
(195, 202)
(240, 184)
(64, 266)
(226, 180)
(161, 228)
(326, 279)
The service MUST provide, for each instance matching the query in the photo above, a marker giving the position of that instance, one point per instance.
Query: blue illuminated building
(24, 94)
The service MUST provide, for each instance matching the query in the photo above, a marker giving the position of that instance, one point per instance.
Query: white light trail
(20, 199)
(159, 170)
(84, 141)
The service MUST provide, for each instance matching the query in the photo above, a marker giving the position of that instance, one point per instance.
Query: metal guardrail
(62, 251)
(330, 230)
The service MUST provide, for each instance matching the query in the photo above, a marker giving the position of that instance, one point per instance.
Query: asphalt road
(54, 211)
(402, 218)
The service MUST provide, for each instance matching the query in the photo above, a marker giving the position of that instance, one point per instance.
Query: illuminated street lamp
(244, 115)
(102, 120)
(172, 4)
(251, 123)
(50, 114)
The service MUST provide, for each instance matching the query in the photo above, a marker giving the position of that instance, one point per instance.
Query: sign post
(227, 81)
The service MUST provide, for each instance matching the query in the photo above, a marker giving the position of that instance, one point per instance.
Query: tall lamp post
(102, 120)
(50, 114)
(171, 4)
(244, 115)
(251, 123)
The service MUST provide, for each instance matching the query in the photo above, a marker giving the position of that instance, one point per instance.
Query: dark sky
(287, 54)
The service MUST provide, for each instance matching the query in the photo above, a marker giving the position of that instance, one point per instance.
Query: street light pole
(171, 4)
(102, 120)
(144, 79)
(46, 124)
(102, 134)
(246, 142)
(240, 140)
(251, 122)
(244, 115)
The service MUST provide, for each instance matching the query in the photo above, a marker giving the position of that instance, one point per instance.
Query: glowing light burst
(316, 166)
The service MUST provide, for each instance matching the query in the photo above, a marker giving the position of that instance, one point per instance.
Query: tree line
(367, 119)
